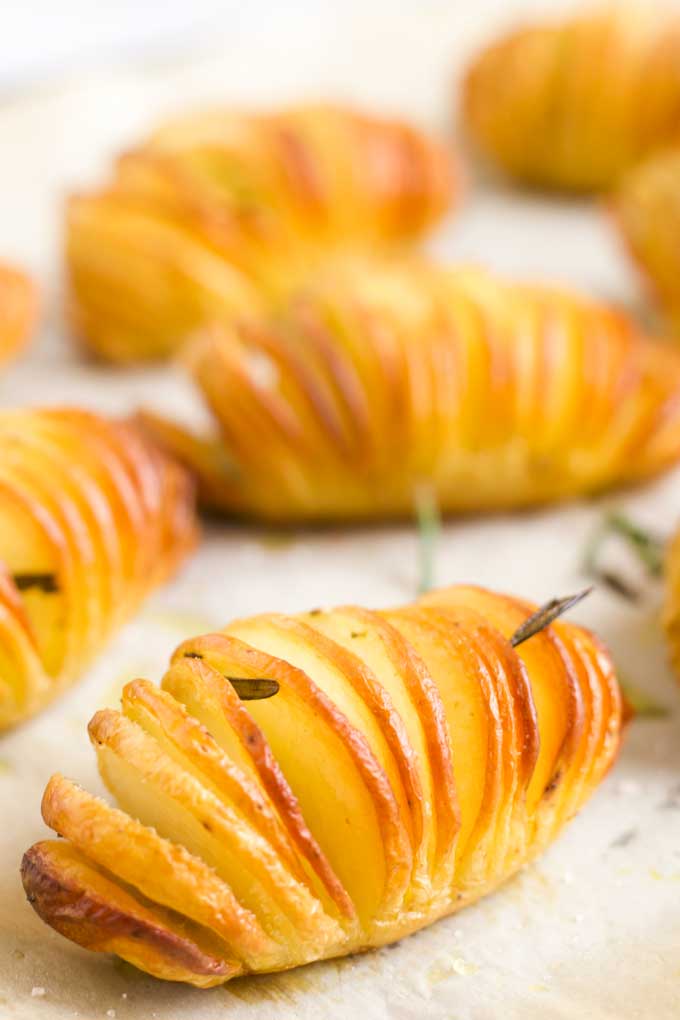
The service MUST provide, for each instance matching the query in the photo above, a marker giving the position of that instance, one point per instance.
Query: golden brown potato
(410, 762)
(646, 208)
(219, 212)
(382, 376)
(572, 104)
(18, 310)
(672, 607)
(92, 518)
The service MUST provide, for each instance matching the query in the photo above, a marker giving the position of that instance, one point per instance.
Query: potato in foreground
(218, 213)
(646, 208)
(92, 518)
(18, 311)
(572, 104)
(410, 762)
(382, 376)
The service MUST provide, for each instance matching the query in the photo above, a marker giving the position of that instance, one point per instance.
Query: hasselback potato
(672, 606)
(571, 104)
(381, 376)
(411, 760)
(92, 518)
(219, 211)
(646, 209)
(18, 310)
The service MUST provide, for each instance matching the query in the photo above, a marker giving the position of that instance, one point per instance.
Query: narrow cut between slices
(409, 762)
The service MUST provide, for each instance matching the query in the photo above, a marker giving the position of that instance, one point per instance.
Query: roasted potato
(220, 212)
(571, 104)
(92, 517)
(646, 208)
(381, 376)
(410, 761)
(18, 311)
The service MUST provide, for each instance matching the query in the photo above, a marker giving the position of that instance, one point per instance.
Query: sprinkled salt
(38, 991)
(462, 967)
(111, 1013)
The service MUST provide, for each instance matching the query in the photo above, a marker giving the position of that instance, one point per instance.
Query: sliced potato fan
(91, 518)
(407, 762)
(381, 378)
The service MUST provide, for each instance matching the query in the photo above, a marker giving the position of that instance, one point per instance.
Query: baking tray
(590, 931)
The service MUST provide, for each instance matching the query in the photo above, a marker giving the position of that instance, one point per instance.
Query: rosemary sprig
(255, 689)
(545, 615)
(248, 688)
(428, 520)
(45, 582)
(644, 706)
(648, 548)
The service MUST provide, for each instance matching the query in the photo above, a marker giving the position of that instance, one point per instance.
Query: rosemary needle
(248, 688)
(429, 527)
(45, 582)
(545, 615)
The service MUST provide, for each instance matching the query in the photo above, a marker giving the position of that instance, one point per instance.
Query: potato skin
(84, 906)
(92, 518)
(220, 212)
(572, 104)
(381, 376)
(18, 311)
(646, 211)
(520, 738)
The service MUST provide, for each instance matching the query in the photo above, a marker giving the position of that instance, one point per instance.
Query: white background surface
(593, 930)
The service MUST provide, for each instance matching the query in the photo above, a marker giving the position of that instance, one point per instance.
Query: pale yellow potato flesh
(407, 762)
(92, 517)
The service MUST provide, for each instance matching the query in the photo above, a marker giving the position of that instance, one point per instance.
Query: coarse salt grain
(111, 1013)
(37, 991)
(462, 967)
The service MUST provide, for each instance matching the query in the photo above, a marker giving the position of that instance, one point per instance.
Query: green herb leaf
(546, 615)
(247, 688)
(650, 550)
(428, 520)
(45, 582)
(644, 706)
(255, 689)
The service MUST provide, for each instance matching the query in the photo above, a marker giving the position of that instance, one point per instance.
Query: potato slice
(149, 280)
(390, 656)
(331, 771)
(97, 912)
(33, 549)
(209, 697)
(471, 704)
(362, 658)
(195, 750)
(163, 871)
(23, 680)
(152, 787)
(84, 511)
(315, 660)
(559, 711)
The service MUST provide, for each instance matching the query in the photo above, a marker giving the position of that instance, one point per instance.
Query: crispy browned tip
(76, 899)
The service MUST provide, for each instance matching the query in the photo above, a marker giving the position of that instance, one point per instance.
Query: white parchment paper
(591, 931)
